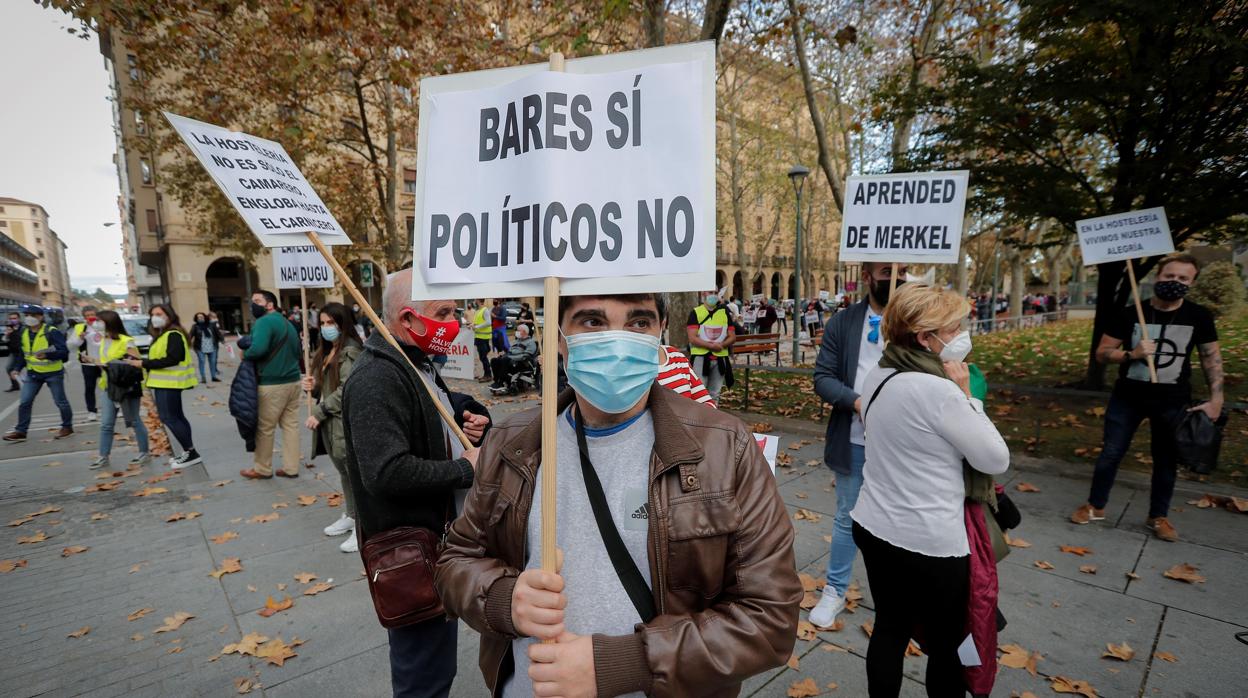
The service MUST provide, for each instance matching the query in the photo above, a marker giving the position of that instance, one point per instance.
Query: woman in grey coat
(339, 347)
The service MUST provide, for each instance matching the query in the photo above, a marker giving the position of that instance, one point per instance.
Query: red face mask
(438, 336)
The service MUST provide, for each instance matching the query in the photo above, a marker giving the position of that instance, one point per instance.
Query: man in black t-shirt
(1175, 327)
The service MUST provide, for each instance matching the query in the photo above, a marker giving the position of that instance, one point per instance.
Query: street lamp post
(797, 174)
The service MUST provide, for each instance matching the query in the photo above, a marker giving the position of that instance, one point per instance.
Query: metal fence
(1008, 324)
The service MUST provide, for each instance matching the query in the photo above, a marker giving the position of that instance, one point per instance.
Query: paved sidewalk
(136, 559)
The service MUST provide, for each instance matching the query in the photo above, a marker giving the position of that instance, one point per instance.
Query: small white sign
(301, 266)
(749, 317)
(459, 361)
(757, 298)
(1120, 236)
(904, 217)
(823, 295)
(770, 445)
(602, 175)
(812, 317)
(262, 182)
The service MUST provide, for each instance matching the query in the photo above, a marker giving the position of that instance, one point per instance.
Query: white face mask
(97, 325)
(957, 348)
(159, 321)
(31, 320)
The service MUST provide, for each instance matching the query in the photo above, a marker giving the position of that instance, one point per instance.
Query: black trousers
(90, 376)
(483, 353)
(933, 610)
(422, 659)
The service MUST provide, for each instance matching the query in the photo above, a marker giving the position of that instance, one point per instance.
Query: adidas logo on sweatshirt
(642, 512)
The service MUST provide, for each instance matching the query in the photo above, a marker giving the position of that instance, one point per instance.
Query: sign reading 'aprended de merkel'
(904, 217)
(262, 182)
(1120, 236)
(602, 172)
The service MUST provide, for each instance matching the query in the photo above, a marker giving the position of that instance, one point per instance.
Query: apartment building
(26, 223)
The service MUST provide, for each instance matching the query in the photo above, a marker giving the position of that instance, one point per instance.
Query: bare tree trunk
(920, 50)
(714, 19)
(1018, 284)
(734, 183)
(821, 138)
(396, 246)
(654, 22)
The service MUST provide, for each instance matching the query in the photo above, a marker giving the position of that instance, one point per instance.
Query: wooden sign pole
(1139, 314)
(303, 324)
(550, 408)
(385, 333)
(892, 281)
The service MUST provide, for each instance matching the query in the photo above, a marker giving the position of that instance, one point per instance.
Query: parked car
(512, 309)
(136, 328)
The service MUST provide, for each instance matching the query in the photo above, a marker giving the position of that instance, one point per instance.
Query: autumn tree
(1101, 108)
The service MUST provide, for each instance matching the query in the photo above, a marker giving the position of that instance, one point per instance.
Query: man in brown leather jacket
(697, 590)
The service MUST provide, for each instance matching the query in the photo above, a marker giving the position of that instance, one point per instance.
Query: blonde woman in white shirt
(921, 422)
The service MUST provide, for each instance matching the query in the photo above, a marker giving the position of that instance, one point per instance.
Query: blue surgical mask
(612, 369)
(329, 333)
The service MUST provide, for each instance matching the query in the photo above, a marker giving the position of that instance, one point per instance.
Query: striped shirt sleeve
(677, 375)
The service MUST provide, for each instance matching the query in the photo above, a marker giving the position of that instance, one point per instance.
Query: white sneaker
(824, 614)
(93, 417)
(341, 527)
(186, 460)
(350, 545)
(101, 462)
(141, 460)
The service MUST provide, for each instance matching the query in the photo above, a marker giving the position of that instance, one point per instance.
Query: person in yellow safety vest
(169, 372)
(710, 333)
(85, 339)
(114, 347)
(482, 330)
(43, 355)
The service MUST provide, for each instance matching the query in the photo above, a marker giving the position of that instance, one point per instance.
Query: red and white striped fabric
(677, 375)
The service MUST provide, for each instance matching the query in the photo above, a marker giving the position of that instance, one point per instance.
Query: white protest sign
(770, 445)
(812, 317)
(301, 266)
(823, 295)
(757, 298)
(459, 362)
(904, 217)
(1120, 236)
(750, 316)
(602, 175)
(262, 182)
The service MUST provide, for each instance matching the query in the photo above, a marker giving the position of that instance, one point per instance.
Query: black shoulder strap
(876, 394)
(625, 567)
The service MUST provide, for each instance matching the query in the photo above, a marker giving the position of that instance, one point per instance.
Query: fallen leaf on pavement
(1121, 652)
(809, 583)
(761, 427)
(252, 588)
(807, 515)
(174, 622)
(74, 550)
(1026, 487)
(1132, 575)
(801, 495)
(221, 483)
(7, 566)
(137, 566)
(1061, 684)
(868, 628)
(334, 500)
(80, 631)
(827, 539)
(912, 650)
(1043, 564)
(244, 685)
(175, 650)
(228, 565)
(793, 663)
(806, 688)
(829, 647)
(99, 516)
(276, 652)
(139, 614)
(264, 518)
(1166, 656)
(53, 463)
(272, 607)
(136, 637)
(227, 536)
(149, 491)
(280, 505)
(248, 645)
(281, 586)
(1014, 657)
(1185, 573)
(809, 600)
(176, 516)
(39, 537)
(304, 577)
(196, 497)
(306, 500)
(317, 588)
(104, 486)
(806, 630)
(25, 519)
(1239, 504)
(1016, 542)
(1088, 569)
(1075, 550)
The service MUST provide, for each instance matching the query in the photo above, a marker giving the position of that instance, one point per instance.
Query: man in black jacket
(406, 467)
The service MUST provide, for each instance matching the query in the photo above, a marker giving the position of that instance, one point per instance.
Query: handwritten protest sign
(904, 217)
(601, 175)
(262, 182)
(301, 266)
(1120, 236)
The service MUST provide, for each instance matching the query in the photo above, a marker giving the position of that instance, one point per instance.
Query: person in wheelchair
(520, 359)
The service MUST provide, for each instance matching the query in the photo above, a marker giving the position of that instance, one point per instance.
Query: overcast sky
(56, 138)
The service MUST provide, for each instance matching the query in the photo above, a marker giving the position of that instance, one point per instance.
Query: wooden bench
(757, 344)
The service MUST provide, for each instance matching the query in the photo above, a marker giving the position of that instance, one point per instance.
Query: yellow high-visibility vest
(180, 376)
(111, 350)
(40, 343)
(718, 318)
(483, 324)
